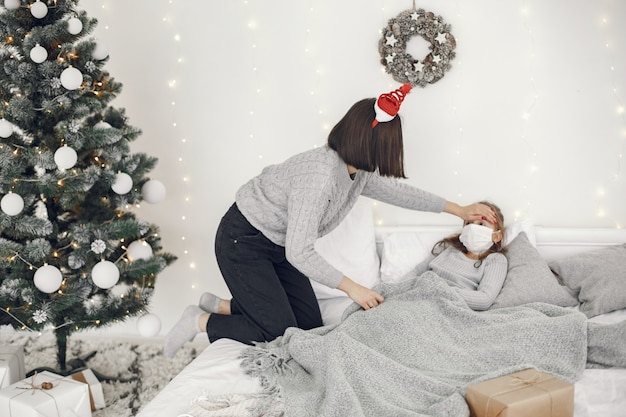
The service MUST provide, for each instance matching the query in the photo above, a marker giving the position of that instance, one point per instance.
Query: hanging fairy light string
(616, 179)
(533, 167)
(258, 92)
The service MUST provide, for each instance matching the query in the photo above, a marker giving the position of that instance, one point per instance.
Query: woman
(265, 242)
(472, 261)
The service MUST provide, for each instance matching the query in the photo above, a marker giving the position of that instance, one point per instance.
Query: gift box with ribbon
(45, 395)
(96, 393)
(526, 393)
(11, 364)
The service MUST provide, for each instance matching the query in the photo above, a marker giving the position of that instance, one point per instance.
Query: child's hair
(369, 149)
(455, 242)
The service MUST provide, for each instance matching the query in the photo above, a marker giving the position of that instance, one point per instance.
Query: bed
(575, 268)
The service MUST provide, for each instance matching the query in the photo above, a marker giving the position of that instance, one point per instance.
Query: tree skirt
(142, 364)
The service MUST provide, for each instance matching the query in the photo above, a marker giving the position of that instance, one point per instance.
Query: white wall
(531, 115)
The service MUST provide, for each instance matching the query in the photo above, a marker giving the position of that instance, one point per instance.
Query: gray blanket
(414, 354)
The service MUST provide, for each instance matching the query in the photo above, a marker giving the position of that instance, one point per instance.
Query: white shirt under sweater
(305, 197)
(478, 285)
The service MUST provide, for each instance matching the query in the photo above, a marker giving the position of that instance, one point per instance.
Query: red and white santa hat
(387, 105)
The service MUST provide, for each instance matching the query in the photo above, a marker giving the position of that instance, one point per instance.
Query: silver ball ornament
(71, 78)
(122, 184)
(153, 191)
(48, 279)
(6, 128)
(12, 4)
(12, 204)
(38, 54)
(74, 26)
(100, 52)
(39, 9)
(139, 249)
(149, 325)
(65, 157)
(105, 274)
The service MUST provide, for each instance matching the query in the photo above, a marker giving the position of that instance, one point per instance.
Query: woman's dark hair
(366, 148)
(455, 242)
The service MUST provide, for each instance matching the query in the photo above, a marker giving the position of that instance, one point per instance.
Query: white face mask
(476, 238)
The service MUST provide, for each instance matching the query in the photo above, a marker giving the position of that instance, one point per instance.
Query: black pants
(269, 294)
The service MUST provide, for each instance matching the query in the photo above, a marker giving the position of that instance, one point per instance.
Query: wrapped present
(45, 395)
(11, 364)
(527, 393)
(96, 395)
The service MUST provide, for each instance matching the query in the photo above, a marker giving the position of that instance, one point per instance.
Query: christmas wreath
(403, 66)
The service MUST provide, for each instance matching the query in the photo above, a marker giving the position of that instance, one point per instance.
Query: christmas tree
(72, 253)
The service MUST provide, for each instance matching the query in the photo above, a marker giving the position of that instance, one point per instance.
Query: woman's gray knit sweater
(305, 197)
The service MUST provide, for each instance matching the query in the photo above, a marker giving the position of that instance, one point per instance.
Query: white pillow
(402, 251)
(351, 248)
(514, 229)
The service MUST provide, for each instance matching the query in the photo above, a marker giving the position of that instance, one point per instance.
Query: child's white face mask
(476, 238)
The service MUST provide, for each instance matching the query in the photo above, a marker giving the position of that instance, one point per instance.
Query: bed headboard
(551, 242)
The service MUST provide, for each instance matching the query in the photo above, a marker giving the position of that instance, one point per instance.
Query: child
(472, 261)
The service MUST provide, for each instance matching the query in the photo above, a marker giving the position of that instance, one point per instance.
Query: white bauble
(71, 78)
(153, 191)
(39, 9)
(139, 249)
(149, 325)
(12, 4)
(105, 274)
(74, 26)
(38, 54)
(12, 204)
(100, 52)
(6, 128)
(48, 279)
(65, 157)
(122, 184)
(102, 125)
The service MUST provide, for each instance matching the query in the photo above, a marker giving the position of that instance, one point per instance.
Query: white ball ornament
(122, 184)
(149, 325)
(105, 274)
(48, 279)
(153, 191)
(12, 4)
(38, 54)
(12, 204)
(139, 249)
(6, 128)
(74, 26)
(101, 125)
(39, 9)
(65, 157)
(71, 78)
(100, 52)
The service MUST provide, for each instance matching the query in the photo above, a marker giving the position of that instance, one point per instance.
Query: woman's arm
(361, 295)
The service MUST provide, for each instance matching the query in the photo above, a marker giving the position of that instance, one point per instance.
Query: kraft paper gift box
(527, 393)
(45, 395)
(11, 364)
(96, 394)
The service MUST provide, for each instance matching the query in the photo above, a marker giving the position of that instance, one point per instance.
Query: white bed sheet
(217, 371)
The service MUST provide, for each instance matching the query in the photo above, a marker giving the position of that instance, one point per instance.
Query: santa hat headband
(388, 105)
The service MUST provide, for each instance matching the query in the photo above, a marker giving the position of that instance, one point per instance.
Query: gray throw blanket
(413, 355)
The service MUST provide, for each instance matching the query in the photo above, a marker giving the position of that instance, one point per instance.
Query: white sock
(209, 302)
(183, 331)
